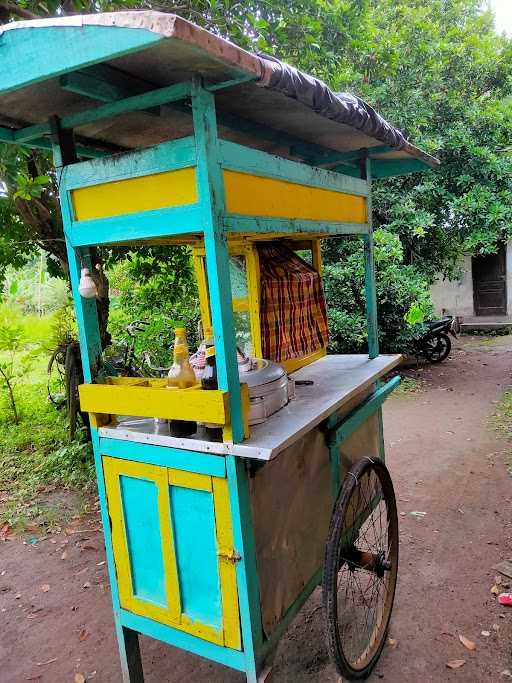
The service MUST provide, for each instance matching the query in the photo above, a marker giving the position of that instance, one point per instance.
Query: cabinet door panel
(173, 547)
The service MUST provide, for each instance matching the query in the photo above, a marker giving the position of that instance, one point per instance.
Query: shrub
(403, 295)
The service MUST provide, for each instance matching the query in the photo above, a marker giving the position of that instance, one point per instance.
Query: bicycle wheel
(360, 569)
(72, 382)
(437, 348)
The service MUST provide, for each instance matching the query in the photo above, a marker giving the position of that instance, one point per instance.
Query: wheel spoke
(366, 562)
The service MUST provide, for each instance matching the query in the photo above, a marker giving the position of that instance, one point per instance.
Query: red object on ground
(505, 599)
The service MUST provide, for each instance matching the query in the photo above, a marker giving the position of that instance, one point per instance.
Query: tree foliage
(438, 70)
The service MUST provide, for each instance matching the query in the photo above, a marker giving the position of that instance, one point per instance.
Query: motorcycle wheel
(437, 348)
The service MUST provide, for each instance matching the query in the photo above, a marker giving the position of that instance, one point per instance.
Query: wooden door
(490, 283)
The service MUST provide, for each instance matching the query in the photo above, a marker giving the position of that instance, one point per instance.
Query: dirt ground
(55, 603)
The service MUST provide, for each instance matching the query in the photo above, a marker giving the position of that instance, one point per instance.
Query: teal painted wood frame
(236, 157)
(246, 570)
(369, 275)
(222, 655)
(211, 200)
(90, 349)
(341, 428)
(167, 156)
(171, 93)
(78, 47)
(175, 458)
(137, 226)
(243, 224)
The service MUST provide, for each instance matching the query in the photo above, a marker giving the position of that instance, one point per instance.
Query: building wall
(455, 297)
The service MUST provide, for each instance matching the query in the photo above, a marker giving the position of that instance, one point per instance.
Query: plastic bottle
(181, 376)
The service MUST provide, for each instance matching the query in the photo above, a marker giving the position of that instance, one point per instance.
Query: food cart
(163, 133)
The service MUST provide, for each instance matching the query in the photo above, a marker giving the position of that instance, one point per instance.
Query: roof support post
(210, 182)
(369, 266)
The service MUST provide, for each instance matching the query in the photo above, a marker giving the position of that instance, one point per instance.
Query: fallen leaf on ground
(486, 634)
(45, 587)
(17, 596)
(392, 643)
(417, 513)
(495, 627)
(87, 584)
(506, 673)
(79, 678)
(100, 564)
(455, 663)
(468, 644)
(4, 531)
(64, 555)
(50, 661)
(88, 546)
(84, 634)
(495, 590)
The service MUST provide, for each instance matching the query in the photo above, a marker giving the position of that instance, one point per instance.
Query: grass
(501, 421)
(37, 460)
(409, 385)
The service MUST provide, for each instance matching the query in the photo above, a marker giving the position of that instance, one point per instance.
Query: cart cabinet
(165, 134)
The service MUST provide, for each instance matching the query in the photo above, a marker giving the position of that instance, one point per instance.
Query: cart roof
(62, 66)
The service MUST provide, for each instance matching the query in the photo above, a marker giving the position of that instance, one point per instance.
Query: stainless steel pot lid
(262, 372)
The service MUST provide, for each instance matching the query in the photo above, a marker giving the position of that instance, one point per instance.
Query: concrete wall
(455, 297)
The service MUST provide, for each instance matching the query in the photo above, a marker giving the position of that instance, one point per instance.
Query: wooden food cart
(163, 133)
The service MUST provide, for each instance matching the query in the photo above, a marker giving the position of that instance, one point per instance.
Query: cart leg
(129, 650)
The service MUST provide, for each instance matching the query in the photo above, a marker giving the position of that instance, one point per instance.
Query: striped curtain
(293, 314)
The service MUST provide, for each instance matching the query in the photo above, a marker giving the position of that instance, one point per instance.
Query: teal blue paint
(6, 135)
(243, 224)
(347, 425)
(142, 526)
(105, 520)
(184, 641)
(175, 458)
(97, 86)
(171, 93)
(64, 49)
(242, 78)
(246, 569)
(334, 461)
(247, 160)
(369, 276)
(193, 519)
(168, 156)
(386, 168)
(211, 197)
(178, 220)
(291, 613)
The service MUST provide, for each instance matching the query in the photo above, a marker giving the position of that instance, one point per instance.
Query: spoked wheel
(360, 569)
(437, 348)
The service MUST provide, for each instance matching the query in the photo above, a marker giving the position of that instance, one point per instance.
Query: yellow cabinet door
(173, 547)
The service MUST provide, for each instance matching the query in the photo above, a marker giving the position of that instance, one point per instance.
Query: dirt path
(55, 605)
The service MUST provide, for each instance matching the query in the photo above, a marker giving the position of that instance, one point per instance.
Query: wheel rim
(436, 348)
(367, 561)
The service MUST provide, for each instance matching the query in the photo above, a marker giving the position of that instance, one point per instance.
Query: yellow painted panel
(190, 480)
(179, 404)
(296, 363)
(250, 195)
(227, 567)
(114, 468)
(158, 191)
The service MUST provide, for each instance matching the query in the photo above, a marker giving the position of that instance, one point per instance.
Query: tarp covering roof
(134, 52)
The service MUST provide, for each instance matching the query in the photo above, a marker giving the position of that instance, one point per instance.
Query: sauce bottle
(209, 382)
(181, 376)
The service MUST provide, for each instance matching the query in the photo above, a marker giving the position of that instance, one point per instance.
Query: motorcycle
(435, 345)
